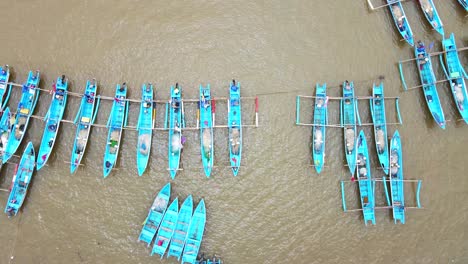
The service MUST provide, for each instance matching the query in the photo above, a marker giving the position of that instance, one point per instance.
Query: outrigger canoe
(432, 15)
(83, 120)
(25, 109)
(348, 122)
(175, 132)
(396, 179)
(206, 129)
(319, 127)
(203, 260)
(195, 234)
(145, 127)
(377, 105)
(364, 179)
(180, 232)
(464, 3)
(235, 126)
(155, 215)
(400, 20)
(428, 81)
(454, 72)
(5, 88)
(115, 123)
(52, 121)
(166, 229)
(21, 180)
(4, 132)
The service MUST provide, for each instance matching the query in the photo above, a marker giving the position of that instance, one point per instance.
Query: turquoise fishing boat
(396, 179)
(235, 126)
(52, 121)
(25, 109)
(21, 180)
(377, 107)
(364, 179)
(166, 229)
(400, 20)
(348, 122)
(428, 82)
(206, 129)
(464, 4)
(319, 127)
(115, 123)
(84, 119)
(208, 260)
(145, 127)
(180, 232)
(431, 14)
(155, 215)
(175, 132)
(5, 88)
(455, 72)
(195, 234)
(4, 132)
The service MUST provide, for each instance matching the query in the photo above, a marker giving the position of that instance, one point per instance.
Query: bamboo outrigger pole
(378, 7)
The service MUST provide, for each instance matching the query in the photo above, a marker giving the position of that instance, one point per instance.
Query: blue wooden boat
(145, 127)
(83, 120)
(195, 234)
(348, 122)
(115, 123)
(396, 179)
(431, 14)
(24, 111)
(5, 88)
(21, 180)
(377, 107)
(4, 132)
(180, 232)
(208, 260)
(52, 121)
(464, 3)
(206, 129)
(319, 128)
(428, 81)
(155, 215)
(366, 185)
(454, 72)
(175, 132)
(166, 229)
(400, 20)
(235, 126)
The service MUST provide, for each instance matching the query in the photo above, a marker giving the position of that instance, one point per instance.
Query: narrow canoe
(348, 121)
(145, 127)
(183, 221)
(380, 125)
(4, 132)
(203, 260)
(364, 178)
(235, 126)
(175, 133)
(155, 215)
(4, 87)
(454, 72)
(24, 111)
(431, 14)
(464, 3)
(52, 121)
(21, 180)
(115, 125)
(84, 120)
(166, 229)
(195, 234)
(400, 20)
(396, 179)
(206, 130)
(428, 81)
(319, 128)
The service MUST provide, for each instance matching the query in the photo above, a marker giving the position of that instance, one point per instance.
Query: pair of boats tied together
(179, 232)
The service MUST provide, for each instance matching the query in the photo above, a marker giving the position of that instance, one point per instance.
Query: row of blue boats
(14, 125)
(430, 12)
(179, 232)
(455, 75)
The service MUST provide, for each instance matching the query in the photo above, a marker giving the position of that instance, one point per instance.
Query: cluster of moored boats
(177, 231)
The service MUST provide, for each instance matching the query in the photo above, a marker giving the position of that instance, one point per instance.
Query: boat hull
(432, 16)
(348, 121)
(319, 128)
(175, 132)
(206, 130)
(396, 179)
(4, 132)
(401, 23)
(166, 229)
(364, 178)
(380, 125)
(235, 127)
(145, 128)
(180, 232)
(195, 234)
